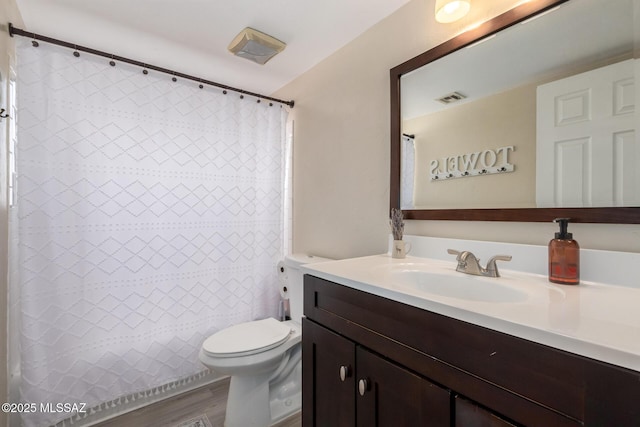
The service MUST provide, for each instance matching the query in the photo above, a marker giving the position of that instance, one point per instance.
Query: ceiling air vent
(452, 97)
(255, 46)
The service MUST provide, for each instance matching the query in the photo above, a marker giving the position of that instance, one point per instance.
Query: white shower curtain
(150, 215)
(407, 176)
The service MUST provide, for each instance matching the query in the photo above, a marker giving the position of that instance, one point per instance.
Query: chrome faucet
(469, 264)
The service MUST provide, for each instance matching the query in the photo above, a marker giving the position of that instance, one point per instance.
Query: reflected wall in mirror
(537, 108)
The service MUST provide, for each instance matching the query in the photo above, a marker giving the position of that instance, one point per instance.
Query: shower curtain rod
(20, 32)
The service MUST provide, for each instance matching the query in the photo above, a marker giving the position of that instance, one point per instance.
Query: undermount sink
(455, 285)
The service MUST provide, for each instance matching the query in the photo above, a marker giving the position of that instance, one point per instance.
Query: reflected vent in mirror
(452, 97)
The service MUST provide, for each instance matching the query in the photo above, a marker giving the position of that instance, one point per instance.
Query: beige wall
(8, 13)
(504, 119)
(341, 149)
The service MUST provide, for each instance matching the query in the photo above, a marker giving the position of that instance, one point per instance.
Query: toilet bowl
(263, 358)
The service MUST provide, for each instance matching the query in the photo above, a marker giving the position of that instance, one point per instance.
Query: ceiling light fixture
(451, 10)
(256, 46)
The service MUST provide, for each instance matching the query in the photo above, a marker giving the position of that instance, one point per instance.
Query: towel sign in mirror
(478, 163)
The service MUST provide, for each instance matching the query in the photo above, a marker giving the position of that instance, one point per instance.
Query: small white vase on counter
(400, 249)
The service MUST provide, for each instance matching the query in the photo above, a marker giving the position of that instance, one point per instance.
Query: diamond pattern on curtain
(149, 216)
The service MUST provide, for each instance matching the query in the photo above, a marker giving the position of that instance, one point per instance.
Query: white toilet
(263, 358)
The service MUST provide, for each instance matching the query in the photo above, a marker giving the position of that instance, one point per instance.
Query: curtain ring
(174, 79)
(75, 52)
(34, 42)
(112, 62)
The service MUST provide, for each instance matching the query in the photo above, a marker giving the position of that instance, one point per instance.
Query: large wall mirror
(530, 116)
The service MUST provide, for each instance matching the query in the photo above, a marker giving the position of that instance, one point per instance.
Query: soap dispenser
(564, 256)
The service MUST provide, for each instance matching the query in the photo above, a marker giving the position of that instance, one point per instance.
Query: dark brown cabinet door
(328, 382)
(390, 396)
(468, 414)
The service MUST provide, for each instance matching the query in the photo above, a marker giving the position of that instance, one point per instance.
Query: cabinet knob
(363, 386)
(345, 372)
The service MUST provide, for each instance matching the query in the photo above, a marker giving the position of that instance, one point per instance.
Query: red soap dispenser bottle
(564, 256)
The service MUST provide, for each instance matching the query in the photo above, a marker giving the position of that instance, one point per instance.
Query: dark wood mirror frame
(610, 215)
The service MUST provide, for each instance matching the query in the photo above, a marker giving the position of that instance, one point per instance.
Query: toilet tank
(291, 278)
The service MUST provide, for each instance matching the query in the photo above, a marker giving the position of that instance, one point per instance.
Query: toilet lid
(247, 338)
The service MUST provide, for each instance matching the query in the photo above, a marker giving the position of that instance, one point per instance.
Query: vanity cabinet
(423, 368)
(351, 386)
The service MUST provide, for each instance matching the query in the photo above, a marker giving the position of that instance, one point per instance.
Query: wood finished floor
(210, 400)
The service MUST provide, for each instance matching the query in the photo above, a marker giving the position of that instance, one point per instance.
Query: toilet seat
(247, 338)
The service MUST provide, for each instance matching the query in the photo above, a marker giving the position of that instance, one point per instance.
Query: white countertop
(596, 320)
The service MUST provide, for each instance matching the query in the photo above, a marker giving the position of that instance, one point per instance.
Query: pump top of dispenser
(563, 234)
